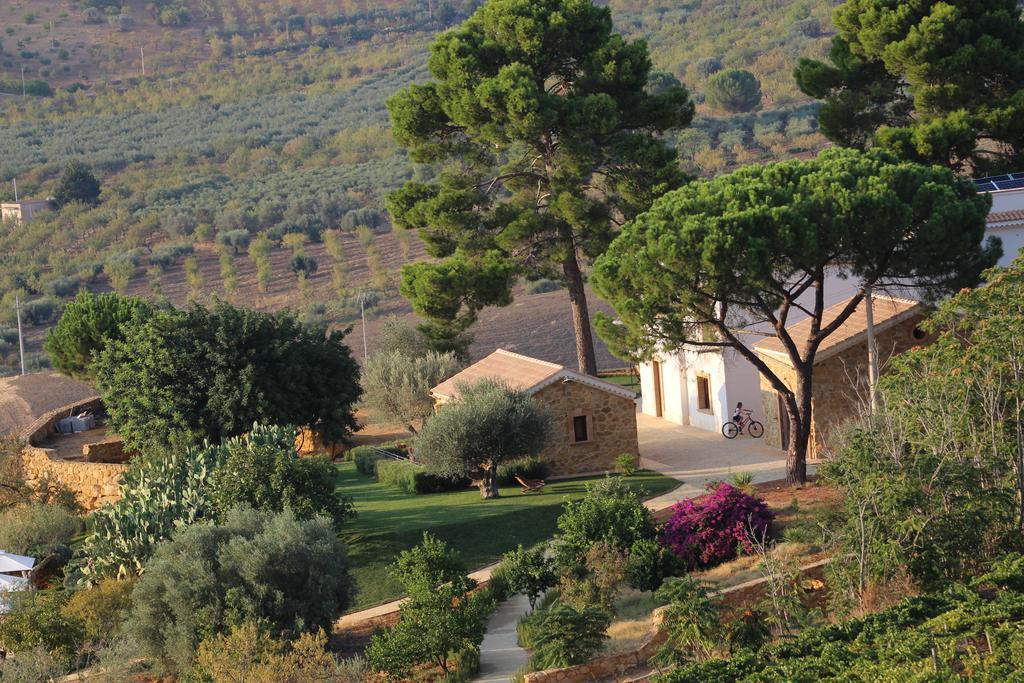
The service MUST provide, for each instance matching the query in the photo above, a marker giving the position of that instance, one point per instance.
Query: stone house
(840, 367)
(24, 211)
(595, 421)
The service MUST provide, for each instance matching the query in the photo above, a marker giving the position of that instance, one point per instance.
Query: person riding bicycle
(737, 415)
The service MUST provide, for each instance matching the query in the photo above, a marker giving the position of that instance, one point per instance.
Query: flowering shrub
(708, 530)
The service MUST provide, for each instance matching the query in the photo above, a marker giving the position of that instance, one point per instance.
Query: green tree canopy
(734, 91)
(77, 184)
(397, 386)
(934, 81)
(485, 425)
(211, 373)
(551, 139)
(744, 249)
(89, 323)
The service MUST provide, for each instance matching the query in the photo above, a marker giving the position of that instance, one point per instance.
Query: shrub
(706, 531)
(566, 636)
(396, 384)
(411, 478)
(542, 286)
(648, 564)
(249, 653)
(693, 622)
(290, 574)
(36, 621)
(40, 311)
(62, 287)
(441, 617)
(626, 464)
(733, 90)
(100, 609)
(528, 572)
(36, 529)
(609, 512)
(263, 470)
(708, 66)
(166, 255)
(304, 265)
(366, 457)
(236, 239)
(527, 468)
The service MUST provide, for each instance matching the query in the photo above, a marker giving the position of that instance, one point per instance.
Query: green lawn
(631, 382)
(389, 522)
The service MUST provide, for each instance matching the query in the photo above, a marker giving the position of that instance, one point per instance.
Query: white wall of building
(1010, 232)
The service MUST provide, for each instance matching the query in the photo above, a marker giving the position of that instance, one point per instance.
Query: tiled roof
(522, 373)
(888, 311)
(1006, 216)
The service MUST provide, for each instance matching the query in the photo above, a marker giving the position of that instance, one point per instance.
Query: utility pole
(142, 51)
(23, 92)
(21, 339)
(872, 349)
(15, 189)
(362, 315)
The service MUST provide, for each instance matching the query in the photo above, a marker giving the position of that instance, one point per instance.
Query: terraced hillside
(268, 118)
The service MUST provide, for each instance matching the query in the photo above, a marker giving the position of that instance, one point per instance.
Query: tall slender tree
(547, 139)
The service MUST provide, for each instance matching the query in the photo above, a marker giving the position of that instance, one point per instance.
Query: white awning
(10, 562)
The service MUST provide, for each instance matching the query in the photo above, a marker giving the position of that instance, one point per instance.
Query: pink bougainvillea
(708, 530)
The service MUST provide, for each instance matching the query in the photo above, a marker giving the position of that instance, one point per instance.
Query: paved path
(500, 654)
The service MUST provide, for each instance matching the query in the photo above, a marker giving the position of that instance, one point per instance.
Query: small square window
(580, 429)
(703, 393)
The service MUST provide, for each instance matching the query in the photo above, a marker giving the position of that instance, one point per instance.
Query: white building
(24, 211)
(702, 387)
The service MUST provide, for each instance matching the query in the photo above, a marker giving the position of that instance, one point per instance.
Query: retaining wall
(93, 483)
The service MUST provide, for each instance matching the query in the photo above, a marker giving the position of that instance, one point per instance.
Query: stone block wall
(110, 450)
(840, 384)
(612, 425)
(94, 484)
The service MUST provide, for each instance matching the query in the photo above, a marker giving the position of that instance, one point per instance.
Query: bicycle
(732, 429)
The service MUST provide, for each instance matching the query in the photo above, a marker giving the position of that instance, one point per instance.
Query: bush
(366, 457)
(36, 621)
(263, 470)
(36, 529)
(567, 637)
(542, 286)
(648, 564)
(62, 287)
(236, 239)
(626, 464)
(290, 574)
(40, 311)
(166, 255)
(100, 609)
(706, 531)
(248, 653)
(305, 265)
(411, 478)
(528, 571)
(609, 513)
(527, 468)
(733, 90)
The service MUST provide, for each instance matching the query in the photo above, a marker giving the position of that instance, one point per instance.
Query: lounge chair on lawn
(530, 485)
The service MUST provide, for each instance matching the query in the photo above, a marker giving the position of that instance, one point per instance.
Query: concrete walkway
(500, 654)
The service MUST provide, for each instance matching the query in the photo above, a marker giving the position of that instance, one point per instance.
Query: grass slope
(389, 522)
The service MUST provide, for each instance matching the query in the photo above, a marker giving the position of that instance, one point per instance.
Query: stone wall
(45, 425)
(612, 426)
(94, 484)
(609, 667)
(840, 385)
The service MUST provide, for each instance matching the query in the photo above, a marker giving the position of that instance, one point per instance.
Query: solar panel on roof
(1007, 181)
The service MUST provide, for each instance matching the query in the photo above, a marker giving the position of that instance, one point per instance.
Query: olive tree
(757, 246)
(396, 386)
(485, 425)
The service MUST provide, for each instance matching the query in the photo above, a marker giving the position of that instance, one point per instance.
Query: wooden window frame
(590, 428)
(709, 408)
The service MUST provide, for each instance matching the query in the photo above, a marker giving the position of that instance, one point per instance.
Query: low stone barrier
(93, 483)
